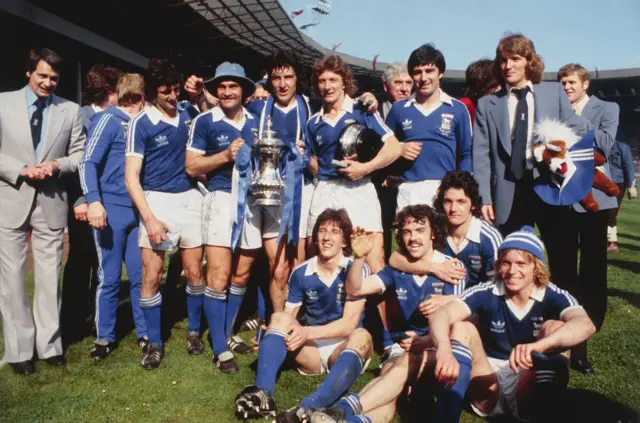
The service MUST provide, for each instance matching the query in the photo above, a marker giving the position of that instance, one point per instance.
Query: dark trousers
(79, 283)
(388, 200)
(565, 232)
(612, 219)
(524, 209)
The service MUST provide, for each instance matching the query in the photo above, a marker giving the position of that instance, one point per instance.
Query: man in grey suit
(502, 162)
(41, 139)
(580, 230)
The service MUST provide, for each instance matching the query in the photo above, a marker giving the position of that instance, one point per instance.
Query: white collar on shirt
(537, 293)
(581, 104)
(97, 108)
(312, 267)
(217, 114)
(155, 116)
(347, 107)
(473, 235)
(444, 98)
(287, 109)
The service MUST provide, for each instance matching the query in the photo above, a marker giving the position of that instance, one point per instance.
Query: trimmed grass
(191, 389)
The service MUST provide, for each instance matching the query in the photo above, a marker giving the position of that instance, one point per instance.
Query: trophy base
(267, 202)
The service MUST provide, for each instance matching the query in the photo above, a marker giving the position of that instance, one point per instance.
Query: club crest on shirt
(537, 324)
(188, 123)
(445, 123)
(319, 139)
(161, 140)
(125, 127)
(312, 295)
(407, 124)
(401, 294)
(497, 327)
(438, 288)
(475, 262)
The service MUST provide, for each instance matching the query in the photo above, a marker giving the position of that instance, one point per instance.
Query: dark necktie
(520, 130)
(36, 122)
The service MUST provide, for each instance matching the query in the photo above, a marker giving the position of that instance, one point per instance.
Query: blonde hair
(130, 89)
(541, 274)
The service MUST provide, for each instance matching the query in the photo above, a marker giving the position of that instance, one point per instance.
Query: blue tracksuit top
(102, 166)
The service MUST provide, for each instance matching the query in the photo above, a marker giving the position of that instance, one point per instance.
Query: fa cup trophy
(267, 186)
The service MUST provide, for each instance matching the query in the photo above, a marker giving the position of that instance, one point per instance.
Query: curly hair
(480, 79)
(101, 81)
(160, 72)
(522, 46)
(287, 59)
(420, 213)
(339, 217)
(541, 273)
(463, 180)
(336, 65)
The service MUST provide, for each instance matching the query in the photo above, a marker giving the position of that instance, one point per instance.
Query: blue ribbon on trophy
(240, 180)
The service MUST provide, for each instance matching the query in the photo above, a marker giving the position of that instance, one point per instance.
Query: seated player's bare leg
(524, 390)
(152, 264)
(483, 389)
(375, 259)
(360, 341)
(192, 265)
(279, 271)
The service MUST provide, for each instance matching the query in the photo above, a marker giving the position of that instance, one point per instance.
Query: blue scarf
(293, 165)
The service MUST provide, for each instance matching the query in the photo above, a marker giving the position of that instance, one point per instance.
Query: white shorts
(326, 347)
(216, 219)
(181, 212)
(507, 384)
(419, 192)
(358, 198)
(307, 196)
(395, 350)
(259, 222)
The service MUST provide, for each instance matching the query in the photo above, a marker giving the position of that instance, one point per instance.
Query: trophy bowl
(359, 141)
(267, 185)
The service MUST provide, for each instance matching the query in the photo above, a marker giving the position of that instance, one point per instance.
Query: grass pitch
(191, 389)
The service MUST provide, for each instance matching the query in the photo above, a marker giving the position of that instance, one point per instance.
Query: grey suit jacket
(604, 116)
(63, 141)
(492, 140)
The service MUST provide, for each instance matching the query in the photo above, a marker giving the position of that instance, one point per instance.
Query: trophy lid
(269, 135)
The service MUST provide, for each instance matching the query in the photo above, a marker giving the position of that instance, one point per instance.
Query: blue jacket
(621, 164)
(102, 167)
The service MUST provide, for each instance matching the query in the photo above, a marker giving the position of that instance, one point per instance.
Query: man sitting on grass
(330, 337)
(516, 367)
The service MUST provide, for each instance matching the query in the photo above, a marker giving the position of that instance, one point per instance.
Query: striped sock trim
(545, 376)
(353, 401)
(216, 295)
(154, 301)
(195, 290)
(357, 354)
(276, 332)
(457, 348)
(363, 419)
(237, 290)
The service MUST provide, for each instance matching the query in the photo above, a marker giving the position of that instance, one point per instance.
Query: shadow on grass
(633, 266)
(629, 236)
(631, 247)
(629, 296)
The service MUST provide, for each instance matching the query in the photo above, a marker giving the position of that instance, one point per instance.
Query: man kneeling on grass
(517, 367)
(330, 338)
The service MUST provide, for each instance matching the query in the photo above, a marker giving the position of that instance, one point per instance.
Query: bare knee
(218, 278)
(464, 332)
(360, 340)
(193, 271)
(281, 321)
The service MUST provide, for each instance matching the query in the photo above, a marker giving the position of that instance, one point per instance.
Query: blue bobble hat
(525, 240)
(234, 72)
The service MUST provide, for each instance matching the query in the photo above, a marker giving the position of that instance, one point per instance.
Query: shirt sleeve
(197, 142)
(295, 297)
(627, 164)
(136, 138)
(464, 139)
(392, 122)
(102, 132)
(559, 301)
(478, 298)
(490, 242)
(386, 277)
(374, 121)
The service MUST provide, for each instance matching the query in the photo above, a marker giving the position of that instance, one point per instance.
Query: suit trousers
(22, 327)
(524, 209)
(566, 232)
